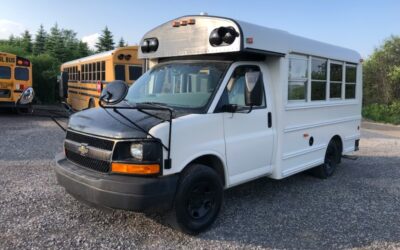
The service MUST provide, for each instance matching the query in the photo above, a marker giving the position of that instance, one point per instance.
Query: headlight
(137, 151)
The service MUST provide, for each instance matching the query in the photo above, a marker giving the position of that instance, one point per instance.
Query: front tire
(198, 200)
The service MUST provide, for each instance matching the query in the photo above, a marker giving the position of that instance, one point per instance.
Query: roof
(180, 41)
(97, 56)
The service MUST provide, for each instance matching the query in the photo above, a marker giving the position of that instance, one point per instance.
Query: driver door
(249, 136)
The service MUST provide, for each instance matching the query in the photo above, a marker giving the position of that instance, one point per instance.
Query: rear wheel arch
(339, 143)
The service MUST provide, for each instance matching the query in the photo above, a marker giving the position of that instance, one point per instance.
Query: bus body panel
(12, 87)
(86, 74)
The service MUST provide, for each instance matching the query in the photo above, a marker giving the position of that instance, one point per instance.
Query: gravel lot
(357, 208)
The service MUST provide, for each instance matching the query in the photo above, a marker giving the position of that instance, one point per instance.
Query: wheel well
(339, 143)
(213, 162)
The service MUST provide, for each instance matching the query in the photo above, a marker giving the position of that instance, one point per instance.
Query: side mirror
(253, 89)
(26, 96)
(63, 84)
(114, 92)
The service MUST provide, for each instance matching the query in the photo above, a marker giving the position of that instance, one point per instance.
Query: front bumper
(13, 105)
(141, 194)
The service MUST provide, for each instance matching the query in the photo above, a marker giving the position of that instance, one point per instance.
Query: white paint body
(244, 143)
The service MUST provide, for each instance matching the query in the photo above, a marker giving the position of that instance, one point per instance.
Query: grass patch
(383, 113)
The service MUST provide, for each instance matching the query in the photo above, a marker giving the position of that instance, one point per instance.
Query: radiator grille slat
(85, 161)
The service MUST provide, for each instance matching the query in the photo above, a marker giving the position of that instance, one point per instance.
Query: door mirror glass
(253, 89)
(114, 92)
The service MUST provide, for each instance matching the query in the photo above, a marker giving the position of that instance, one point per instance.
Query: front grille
(97, 165)
(91, 141)
(5, 93)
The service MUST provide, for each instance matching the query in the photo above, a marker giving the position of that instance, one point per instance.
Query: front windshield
(179, 85)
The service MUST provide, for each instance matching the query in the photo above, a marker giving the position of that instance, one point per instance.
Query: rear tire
(198, 200)
(332, 159)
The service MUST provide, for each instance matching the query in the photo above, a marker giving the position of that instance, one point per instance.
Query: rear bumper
(133, 193)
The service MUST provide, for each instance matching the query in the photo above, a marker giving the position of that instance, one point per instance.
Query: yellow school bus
(82, 80)
(15, 78)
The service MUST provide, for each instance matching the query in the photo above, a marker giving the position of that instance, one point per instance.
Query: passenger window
(318, 79)
(135, 72)
(120, 72)
(234, 92)
(351, 76)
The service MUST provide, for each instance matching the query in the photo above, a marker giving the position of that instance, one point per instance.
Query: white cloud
(8, 27)
(91, 40)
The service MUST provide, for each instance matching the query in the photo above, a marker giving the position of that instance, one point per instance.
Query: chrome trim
(90, 152)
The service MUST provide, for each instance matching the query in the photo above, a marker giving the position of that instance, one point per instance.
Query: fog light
(137, 151)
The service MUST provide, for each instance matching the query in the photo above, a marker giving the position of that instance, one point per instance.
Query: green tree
(83, 49)
(40, 41)
(122, 43)
(106, 41)
(26, 41)
(55, 44)
(381, 73)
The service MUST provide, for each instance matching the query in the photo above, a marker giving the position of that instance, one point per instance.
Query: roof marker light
(176, 24)
(192, 21)
(184, 23)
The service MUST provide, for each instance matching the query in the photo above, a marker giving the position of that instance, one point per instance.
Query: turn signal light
(126, 168)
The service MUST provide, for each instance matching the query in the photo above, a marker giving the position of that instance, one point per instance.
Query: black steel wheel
(198, 200)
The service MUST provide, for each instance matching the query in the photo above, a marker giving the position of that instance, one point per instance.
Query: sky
(361, 25)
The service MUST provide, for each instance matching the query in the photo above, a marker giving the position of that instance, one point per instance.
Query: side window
(336, 79)
(318, 79)
(234, 92)
(298, 78)
(351, 78)
(120, 72)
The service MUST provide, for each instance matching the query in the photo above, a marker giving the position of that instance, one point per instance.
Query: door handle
(269, 120)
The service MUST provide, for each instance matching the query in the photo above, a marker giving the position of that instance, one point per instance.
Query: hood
(108, 123)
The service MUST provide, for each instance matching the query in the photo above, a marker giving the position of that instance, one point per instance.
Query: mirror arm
(250, 109)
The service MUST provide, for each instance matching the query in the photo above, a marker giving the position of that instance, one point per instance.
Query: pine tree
(55, 45)
(26, 42)
(83, 49)
(121, 43)
(11, 40)
(40, 41)
(106, 41)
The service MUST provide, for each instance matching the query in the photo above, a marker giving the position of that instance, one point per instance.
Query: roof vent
(203, 13)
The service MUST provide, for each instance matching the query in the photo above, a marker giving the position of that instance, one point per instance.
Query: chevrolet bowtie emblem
(83, 149)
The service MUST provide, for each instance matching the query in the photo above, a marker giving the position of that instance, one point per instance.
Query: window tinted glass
(350, 74)
(21, 74)
(336, 72)
(335, 90)
(298, 68)
(350, 91)
(5, 72)
(297, 90)
(235, 89)
(318, 91)
(120, 72)
(135, 72)
(318, 71)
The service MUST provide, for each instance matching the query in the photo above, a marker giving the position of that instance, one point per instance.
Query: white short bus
(223, 102)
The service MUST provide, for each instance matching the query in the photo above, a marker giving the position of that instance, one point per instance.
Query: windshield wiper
(160, 104)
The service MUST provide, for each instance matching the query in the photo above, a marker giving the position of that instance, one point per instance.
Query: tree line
(47, 50)
(381, 79)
